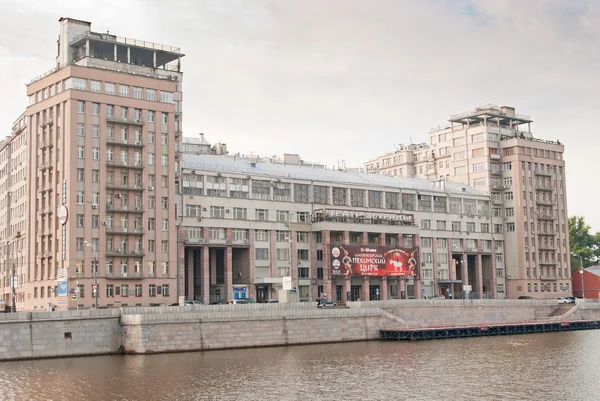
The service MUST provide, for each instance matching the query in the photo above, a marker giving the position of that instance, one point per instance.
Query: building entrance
(355, 291)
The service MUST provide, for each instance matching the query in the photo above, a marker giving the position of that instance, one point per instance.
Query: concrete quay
(30, 335)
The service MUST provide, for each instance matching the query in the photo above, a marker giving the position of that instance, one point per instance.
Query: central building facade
(247, 224)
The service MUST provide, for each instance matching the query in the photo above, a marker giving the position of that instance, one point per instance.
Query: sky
(347, 79)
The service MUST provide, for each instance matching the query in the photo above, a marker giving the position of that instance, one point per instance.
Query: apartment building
(98, 166)
(493, 150)
(248, 223)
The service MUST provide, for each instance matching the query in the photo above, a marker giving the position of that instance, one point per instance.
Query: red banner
(373, 261)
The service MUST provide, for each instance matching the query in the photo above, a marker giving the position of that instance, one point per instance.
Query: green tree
(583, 243)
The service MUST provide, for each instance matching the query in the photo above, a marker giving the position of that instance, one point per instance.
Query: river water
(554, 366)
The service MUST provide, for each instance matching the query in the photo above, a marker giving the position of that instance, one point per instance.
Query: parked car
(571, 300)
(325, 303)
(562, 300)
(272, 301)
(525, 297)
(238, 302)
(439, 296)
(191, 302)
(250, 300)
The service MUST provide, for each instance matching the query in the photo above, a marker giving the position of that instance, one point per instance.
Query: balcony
(124, 276)
(124, 187)
(544, 202)
(544, 173)
(542, 187)
(123, 209)
(546, 217)
(495, 157)
(45, 166)
(497, 202)
(495, 172)
(124, 142)
(485, 250)
(45, 144)
(193, 241)
(124, 231)
(548, 278)
(121, 120)
(112, 163)
(177, 132)
(131, 253)
(497, 185)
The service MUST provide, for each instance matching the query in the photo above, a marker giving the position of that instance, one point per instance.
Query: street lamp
(13, 304)
(95, 268)
(580, 272)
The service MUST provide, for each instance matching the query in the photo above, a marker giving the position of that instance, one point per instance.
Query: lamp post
(580, 272)
(95, 267)
(13, 304)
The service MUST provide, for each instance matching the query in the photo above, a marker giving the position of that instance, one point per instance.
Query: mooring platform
(441, 332)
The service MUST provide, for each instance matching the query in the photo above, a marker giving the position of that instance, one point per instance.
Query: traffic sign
(377, 291)
(62, 214)
(94, 286)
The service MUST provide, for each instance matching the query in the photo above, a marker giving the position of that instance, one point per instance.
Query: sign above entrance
(373, 261)
(287, 283)
(361, 216)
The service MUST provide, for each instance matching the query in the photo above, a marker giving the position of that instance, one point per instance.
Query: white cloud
(347, 79)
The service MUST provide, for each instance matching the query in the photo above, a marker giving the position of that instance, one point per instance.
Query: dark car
(525, 297)
(325, 303)
(571, 300)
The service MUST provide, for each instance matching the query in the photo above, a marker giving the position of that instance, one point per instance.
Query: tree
(583, 243)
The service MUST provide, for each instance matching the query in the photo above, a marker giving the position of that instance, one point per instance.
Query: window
(261, 235)
(510, 227)
(163, 160)
(95, 153)
(80, 199)
(340, 196)
(283, 216)
(124, 113)
(165, 268)
(261, 190)
(320, 195)
(95, 109)
(137, 93)
(262, 214)
(165, 246)
(150, 94)
(485, 227)
(152, 290)
(80, 130)
(124, 290)
(426, 242)
(301, 236)
(124, 90)
(80, 174)
(282, 236)
(442, 257)
(283, 254)
(240, 213)
(164, 118)
(302, 217)
(95, 86)
(441, 225)
(151, 116)
(508, 195)
(95, 131)
(301, 193)
(109, 88)
(80, 106)
(442, 243)
(239, 234)
(79, 244)
(217, 212)
(151, 224)
(165, 224)
(456, 226)
(138, 290)
(426, 224)
(409, 202)
(282, 191)
(357, 197)
(261, 253)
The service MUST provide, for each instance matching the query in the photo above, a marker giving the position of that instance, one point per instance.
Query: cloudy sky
(347, 79)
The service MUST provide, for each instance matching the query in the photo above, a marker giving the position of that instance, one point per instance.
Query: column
(229, 273)
(154, 59)
(464, 271)
(213, 268)
(436, 269)
(294, 262)
(400, 282)
(128, 55)
(326, 238)
(205, 273)
(87, 47)
(250, 280)
(346, 279)
(418, 280)
(273, 258)
(313, 267)
(190, 273)
(364, 290)
(115, 52)
(478, 276)
(228, 267)
(383, 280)
(180, 265)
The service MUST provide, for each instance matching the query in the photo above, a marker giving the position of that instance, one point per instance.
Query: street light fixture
(95, 268)
(13, 304)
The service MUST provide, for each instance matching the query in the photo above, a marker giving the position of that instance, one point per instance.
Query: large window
(261, 190)
(321, 195)
(340, 196)
(357, 197)
(409, 202)
(392, 200)
(301, 193)
(282, 191)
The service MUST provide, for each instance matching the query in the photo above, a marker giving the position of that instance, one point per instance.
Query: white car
(563, 300)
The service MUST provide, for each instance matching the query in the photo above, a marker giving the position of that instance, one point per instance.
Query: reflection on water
(556, 366)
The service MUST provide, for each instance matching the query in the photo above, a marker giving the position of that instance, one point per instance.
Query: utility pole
(95, 267)
(13, 304)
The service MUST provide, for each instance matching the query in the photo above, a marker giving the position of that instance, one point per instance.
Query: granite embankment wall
(172, 329)
(28, 335)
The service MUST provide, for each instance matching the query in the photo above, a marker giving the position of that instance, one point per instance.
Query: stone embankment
(28, 335)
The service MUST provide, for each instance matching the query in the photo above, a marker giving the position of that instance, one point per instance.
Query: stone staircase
(562, 312)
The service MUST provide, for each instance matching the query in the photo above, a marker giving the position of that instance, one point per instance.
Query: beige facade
(248, 223)
(493, 150)
(102, 143)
